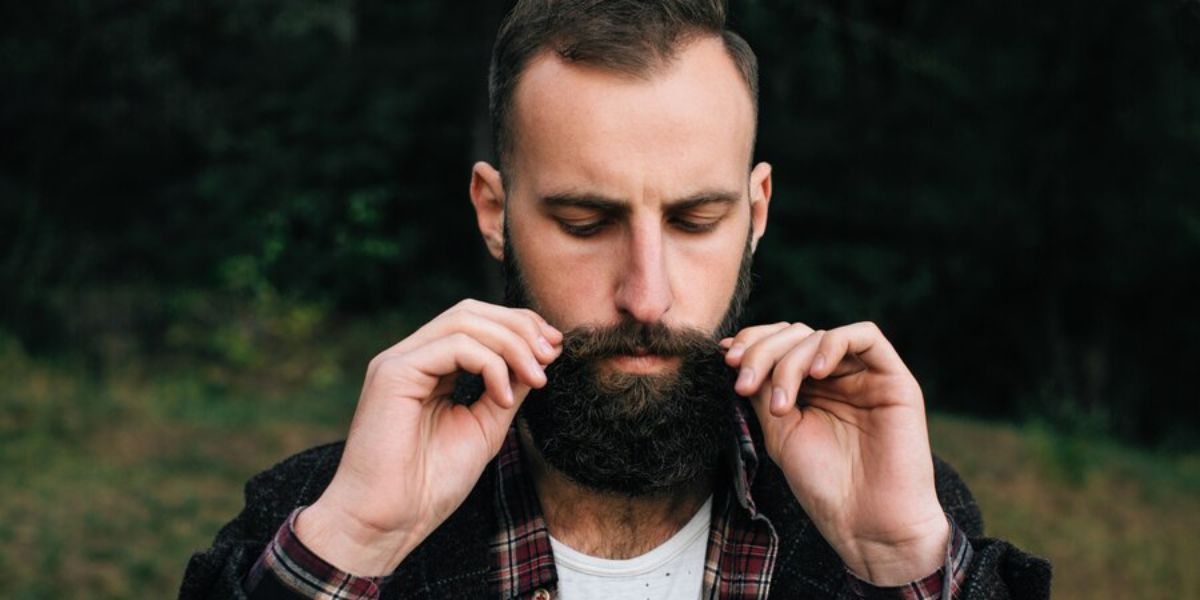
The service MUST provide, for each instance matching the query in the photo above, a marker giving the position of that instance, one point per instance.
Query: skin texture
(631, 198)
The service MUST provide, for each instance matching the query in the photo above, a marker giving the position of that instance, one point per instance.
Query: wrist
(901, 559)
(349, 544)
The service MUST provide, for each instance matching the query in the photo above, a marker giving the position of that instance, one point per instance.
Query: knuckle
(758, 357)
(376, 361)
(465, 307)
(496, 365)
(829, 338)
(531, 324)
(783, 375)
(515, 349)
(385, 365)
(788, 365)
(510, 337)
(459, 339)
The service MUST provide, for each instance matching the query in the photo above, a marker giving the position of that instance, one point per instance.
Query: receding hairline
(659, 64)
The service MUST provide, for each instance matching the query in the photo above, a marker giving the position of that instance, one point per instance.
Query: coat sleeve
(998, 570)
(270, 497)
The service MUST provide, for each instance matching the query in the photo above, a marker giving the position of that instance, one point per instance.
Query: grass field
(110, 482)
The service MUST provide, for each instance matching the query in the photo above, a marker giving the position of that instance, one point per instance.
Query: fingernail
(778, 399)
(544, 345)
(818, 362)
(736, 350)
(745, 377)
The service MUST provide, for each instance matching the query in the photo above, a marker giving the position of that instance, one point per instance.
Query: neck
(605, 525)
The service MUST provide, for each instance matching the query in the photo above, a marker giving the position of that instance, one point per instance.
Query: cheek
(569, 289)
(570, 296)
(705, 279)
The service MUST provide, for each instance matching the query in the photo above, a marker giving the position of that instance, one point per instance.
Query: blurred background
(212, 215)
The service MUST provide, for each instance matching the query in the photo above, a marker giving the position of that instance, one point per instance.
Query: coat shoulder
(956, 498)
(270, 497)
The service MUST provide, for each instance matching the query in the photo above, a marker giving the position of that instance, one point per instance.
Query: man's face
(630, 198)
(629, 209)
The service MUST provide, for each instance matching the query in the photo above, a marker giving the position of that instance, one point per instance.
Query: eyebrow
(619, 206)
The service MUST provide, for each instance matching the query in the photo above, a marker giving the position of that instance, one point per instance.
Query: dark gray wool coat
(453, 562)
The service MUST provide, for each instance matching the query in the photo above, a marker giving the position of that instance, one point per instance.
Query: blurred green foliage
(1012, 190)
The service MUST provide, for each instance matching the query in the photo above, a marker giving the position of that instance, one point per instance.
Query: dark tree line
(1012, 190)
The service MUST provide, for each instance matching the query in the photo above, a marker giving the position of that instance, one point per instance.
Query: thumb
(494, 418)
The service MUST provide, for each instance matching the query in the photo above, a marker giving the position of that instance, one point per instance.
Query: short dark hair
(630, 36)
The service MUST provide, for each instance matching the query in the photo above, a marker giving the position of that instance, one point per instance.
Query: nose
(643, 287)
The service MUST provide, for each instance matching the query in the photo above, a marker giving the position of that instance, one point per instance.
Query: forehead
(687, 124)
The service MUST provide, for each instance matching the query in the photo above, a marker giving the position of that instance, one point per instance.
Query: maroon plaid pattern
(742, 545)
(305, 574)
(522, 562)
(934, 587)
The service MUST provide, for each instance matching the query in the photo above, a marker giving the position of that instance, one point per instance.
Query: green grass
(111, 482)
(1113, 521)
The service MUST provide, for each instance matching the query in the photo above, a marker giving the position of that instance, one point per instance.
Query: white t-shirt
(675, 569)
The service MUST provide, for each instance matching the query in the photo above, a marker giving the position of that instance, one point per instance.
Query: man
(623, 435)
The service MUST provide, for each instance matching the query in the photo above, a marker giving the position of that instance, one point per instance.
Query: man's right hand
(412, 455)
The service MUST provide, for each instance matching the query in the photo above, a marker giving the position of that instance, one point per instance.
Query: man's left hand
(845, 420)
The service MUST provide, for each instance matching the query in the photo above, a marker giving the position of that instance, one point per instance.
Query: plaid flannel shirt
(742, 547)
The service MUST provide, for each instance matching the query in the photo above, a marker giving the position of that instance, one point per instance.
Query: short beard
(630, 434)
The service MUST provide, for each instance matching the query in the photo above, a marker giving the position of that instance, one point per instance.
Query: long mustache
(585, 344)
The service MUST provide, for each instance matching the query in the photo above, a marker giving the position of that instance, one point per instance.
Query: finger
(789, 372)
(528, 323)
(865, 346)
(515, 349)
(747, 337)
(461, 352)
(759, 358)
(523, 320)
(495, 418)
(544, 338)
(516, 335)
(551, 332)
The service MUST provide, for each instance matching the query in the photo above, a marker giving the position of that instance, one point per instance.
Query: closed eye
(584, 229)
(695, 226)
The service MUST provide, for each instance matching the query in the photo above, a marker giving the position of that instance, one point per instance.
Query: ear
(760, 199)
(487, 195)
